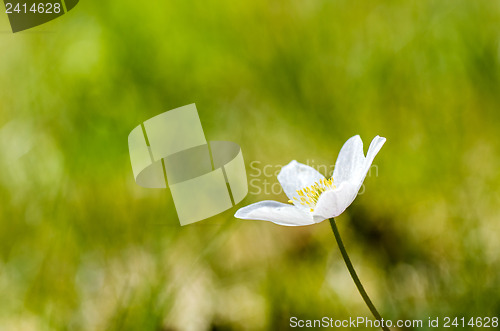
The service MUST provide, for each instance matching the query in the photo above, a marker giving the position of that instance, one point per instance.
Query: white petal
(375, 146)
(350, 162)
(334, 202)
(296, 176)
(276, 212)
(373, 150)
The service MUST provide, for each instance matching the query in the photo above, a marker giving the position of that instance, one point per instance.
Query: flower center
(309, 195)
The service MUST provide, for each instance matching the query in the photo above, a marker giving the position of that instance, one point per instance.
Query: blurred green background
(82, 247)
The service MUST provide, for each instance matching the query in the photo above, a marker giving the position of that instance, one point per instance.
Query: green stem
(354, 276)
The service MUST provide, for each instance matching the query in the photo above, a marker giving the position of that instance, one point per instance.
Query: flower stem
(354, 276)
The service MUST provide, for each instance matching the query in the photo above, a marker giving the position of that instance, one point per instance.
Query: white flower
(313, 197)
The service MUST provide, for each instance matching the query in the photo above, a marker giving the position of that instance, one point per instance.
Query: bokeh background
(82, 247)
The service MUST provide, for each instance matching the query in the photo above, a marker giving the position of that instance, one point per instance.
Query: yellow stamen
(309, 195)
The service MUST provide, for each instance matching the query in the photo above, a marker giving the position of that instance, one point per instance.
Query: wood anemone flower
(313, 198)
